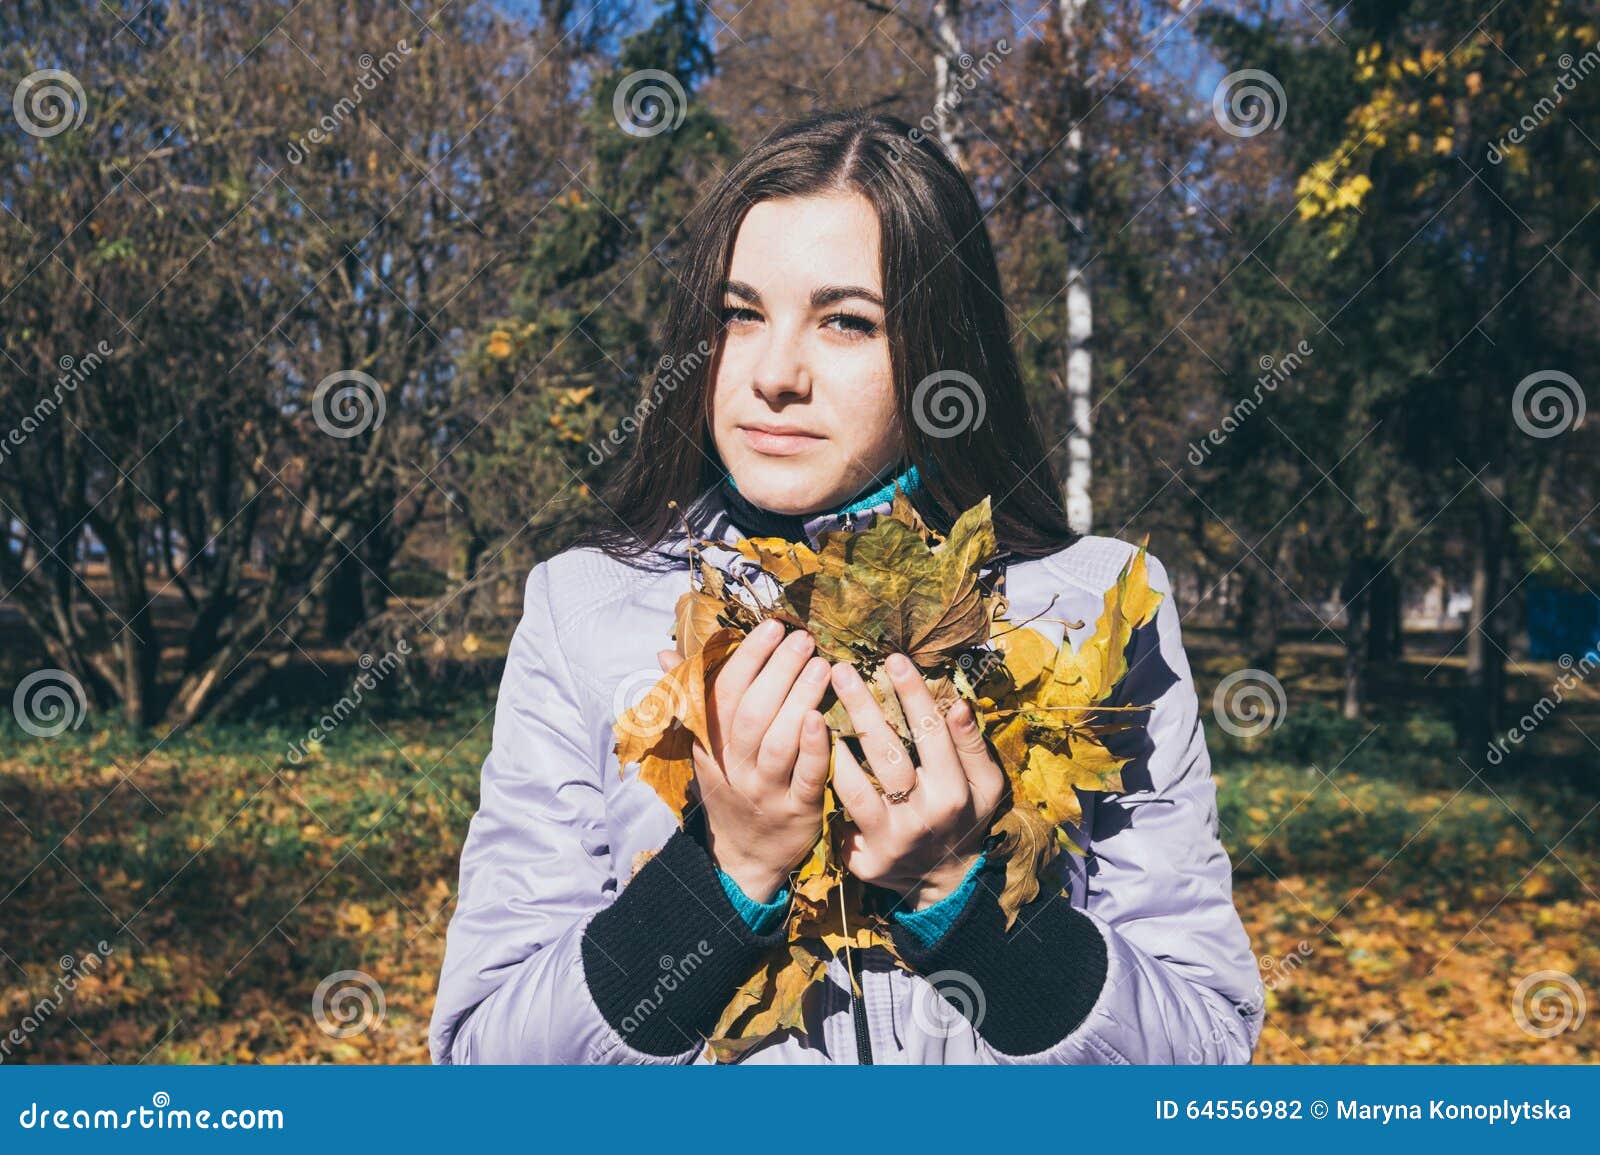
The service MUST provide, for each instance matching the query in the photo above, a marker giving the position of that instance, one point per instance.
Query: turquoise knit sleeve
(930, 923)
(760, 917)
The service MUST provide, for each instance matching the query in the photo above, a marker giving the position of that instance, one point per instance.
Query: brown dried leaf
(1028, 845)
(773, 999)
(659, 731)
(884, 589)
(697, 619)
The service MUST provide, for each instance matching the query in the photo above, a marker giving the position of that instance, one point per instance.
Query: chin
(789, 487)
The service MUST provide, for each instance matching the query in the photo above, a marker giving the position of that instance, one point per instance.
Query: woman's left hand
(923, 846)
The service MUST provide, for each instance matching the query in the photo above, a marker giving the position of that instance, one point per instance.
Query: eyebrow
(821, 298)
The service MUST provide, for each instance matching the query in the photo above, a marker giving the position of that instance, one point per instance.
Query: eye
(854, 323)
(731, 313)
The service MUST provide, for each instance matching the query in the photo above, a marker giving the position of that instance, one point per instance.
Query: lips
(778, 440)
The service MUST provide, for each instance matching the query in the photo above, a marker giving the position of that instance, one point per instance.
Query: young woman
(842, 281)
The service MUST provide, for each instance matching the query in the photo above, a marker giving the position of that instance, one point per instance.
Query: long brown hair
(949, 341)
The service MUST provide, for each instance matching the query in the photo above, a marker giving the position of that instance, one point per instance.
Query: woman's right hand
(762, 786)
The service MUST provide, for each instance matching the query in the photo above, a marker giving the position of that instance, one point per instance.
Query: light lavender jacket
(560, 823)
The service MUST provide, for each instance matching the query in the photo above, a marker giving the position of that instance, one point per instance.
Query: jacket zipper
(858, 1011)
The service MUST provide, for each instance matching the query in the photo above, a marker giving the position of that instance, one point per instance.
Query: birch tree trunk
(1080, 327)
(1080, 306)
(946, 66)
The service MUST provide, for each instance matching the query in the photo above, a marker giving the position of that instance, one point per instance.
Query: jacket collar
(727, 515)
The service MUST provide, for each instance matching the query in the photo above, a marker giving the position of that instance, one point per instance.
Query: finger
(669, 659)
(811, 763)
(738, 743)
(748, 658)
(856, 855)
(862, 802)
(886, 754)
(942, 778)
(985, 779)
(783, 734)
(758, 710)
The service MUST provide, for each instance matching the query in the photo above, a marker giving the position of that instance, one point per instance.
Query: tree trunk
(1259, 621)
(344, 604)
(1080, 461)
(1357, 594)
(1483, 702)
(1080, 311)
(1355, 682)
(947, 30)
(135, 646)
(1385, 637)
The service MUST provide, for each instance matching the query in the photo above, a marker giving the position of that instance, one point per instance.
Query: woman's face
(803, 408)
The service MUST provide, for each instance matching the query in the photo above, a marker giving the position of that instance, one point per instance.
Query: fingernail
(899, 664)
(816, 670)
(800, 640)
(770, 630)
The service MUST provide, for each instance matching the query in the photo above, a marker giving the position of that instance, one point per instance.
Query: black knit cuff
(1026, 989)
(664, 959)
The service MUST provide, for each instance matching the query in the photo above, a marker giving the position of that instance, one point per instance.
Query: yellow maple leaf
(660, 730)
(784, 560)
(1049, 731)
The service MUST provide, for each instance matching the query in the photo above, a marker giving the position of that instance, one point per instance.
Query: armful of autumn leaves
(896, 586)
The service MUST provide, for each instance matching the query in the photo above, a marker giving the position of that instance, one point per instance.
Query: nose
(781, 372)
